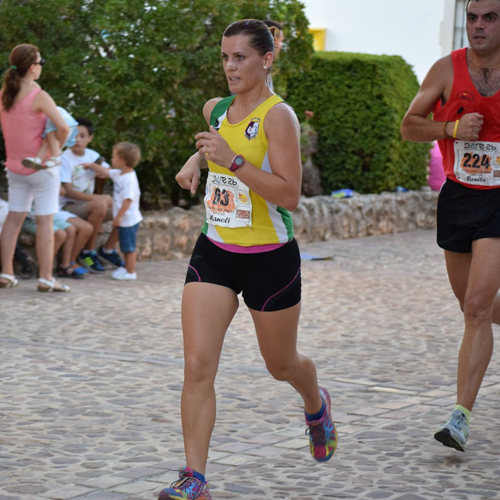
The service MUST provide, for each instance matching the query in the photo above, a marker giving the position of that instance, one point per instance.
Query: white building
(421, 31)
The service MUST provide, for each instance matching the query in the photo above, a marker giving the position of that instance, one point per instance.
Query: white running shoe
(455, 432)
(124, 276)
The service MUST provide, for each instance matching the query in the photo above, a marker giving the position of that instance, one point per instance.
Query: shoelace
(317, 433)
(187, 482)
(458, 419)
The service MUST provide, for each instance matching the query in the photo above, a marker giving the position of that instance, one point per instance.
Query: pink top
(255, 249)
(22, 130)
(436, 169)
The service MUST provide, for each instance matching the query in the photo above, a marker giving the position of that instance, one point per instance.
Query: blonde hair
(129, 153)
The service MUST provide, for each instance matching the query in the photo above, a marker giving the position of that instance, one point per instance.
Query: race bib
(227, 201)
(477, 163)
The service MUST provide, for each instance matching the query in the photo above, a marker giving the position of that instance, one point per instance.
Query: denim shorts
(127, 237)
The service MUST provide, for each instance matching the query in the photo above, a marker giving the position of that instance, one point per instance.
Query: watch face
(239, 160)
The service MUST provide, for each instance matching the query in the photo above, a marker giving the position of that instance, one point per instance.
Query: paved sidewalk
(90, 384)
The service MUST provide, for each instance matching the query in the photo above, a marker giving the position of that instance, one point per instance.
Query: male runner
(463, 91)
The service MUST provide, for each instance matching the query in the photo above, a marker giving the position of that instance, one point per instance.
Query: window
(460, 35)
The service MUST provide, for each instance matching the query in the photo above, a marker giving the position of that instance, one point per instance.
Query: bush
(142, 70)
(359, 102)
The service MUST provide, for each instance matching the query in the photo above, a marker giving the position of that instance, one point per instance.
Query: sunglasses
(41, 62)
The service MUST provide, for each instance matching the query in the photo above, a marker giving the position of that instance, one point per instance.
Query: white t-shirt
(73, 172)
(126, 187)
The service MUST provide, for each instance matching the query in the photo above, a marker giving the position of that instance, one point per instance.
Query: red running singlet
(466, 99)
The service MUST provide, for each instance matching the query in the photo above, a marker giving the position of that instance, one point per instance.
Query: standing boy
(126, 196)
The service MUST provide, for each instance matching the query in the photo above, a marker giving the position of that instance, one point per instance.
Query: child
(126, 195)
(80, 199)
(70, 234)
(51, 143)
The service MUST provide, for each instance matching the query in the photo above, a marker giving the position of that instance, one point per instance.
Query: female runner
(246, 245)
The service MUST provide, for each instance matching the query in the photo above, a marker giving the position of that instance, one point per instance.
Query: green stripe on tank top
(286, 217)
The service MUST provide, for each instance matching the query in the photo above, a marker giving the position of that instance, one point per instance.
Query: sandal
(11, 281)
(34, 163)
(69, 272)
(51, 286)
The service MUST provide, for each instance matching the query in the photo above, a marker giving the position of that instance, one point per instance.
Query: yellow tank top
(267, 223)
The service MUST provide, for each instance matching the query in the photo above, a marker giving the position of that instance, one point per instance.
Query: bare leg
(277, 336)
(53, 144)
(207, 311)
(45, 245)
(44, 149)
(130, 259)
(70, 233)
(84, 231)
(96, 210)
(10, 233)
(477, 295)
(112, 239)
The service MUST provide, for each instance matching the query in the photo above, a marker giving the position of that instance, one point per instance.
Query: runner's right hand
(189, 175)
(470, 126)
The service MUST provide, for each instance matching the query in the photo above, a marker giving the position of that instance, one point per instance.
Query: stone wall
(173, 233)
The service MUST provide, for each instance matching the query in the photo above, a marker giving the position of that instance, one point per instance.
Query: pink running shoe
(187, 487)
(323, 437)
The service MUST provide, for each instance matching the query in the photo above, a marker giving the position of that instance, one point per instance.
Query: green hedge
(359, 101)
(142, 70)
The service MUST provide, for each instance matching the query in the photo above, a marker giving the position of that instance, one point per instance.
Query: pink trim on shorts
(251, 249)
(197, 274)
(282, 290)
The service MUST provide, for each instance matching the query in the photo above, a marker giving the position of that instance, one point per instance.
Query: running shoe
(323, 436)
(455, 432)
(111, 257)
(91, 262)
(186, 487)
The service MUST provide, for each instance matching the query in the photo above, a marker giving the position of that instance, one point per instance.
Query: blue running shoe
(455, 432)
(187, 487)
(111, 257)
(91, 262)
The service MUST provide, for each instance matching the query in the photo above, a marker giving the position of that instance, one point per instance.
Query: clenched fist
(469, 127)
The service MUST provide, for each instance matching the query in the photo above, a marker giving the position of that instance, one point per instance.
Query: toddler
(126, 196)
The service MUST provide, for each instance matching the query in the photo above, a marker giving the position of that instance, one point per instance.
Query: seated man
(80, 199)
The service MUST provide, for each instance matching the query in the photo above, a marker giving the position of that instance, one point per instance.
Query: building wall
(421, 31)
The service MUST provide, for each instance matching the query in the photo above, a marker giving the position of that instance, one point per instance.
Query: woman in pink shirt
(24, 111)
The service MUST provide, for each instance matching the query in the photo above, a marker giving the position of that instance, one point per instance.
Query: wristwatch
(238, 162)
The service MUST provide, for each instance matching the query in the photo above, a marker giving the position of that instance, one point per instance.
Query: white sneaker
(118, 272)
(455, 432)
(124, 276)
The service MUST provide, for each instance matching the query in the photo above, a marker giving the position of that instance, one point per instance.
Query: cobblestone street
(90, 386)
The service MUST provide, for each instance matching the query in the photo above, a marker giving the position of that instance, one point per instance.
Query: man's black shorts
(270, 281)
(466, 214)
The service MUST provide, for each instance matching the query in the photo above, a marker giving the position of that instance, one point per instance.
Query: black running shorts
(270, 281)
(466, 214)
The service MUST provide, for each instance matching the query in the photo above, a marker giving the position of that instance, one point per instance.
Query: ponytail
(21, 58)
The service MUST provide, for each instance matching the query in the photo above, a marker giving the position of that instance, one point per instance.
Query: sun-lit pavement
(90, 384)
